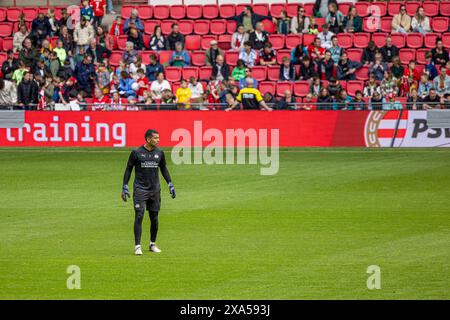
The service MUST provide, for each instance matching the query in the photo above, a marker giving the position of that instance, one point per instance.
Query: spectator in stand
(316, 86)
(288, 102)
(325, 67)
(442, 82)
(379, 67)
(130, 54)
(324, 100)
(99, 7)
(143, 83)
(352, 22)
(65, 21)
(397, 68)
(388, 84)
(249, 19)
(405, 85)
(100, 102)
(104, 39)
(390, 103)
(313, 26)
(19, 37)
(135, 66)
(52, 20)
(343, 101)
(283, 23)
(297, 54)
(248, 55)
(85, 75)
(158, 42)
(84, 32)
(368, 56)
(389, 50)
(221, 70)
(267, 56)
(97, 52)
(307, 70)
(258, 37)
(300, 23)
(401, 22)
(248, 75)
(10, 65)
(117, 102)
(239, 38)
(8, 93)
(126, 85)
(18, 74)
(65, 71)
(358, 103)
(420, 22)
(66, 90)
(412, 70)
(334, 18)
(103, 78)
(174, 37)
(136, 38)
(60, 52)
(346, 68)
(212, 53)
(239, 71)
(153, 68)
(40, 29)
(414, 101)
(440, 54)
(183, 95)
(315, 50)
(180, 57)
(54, 64)
(335, 50)
(424, 86)
(325, 37)
(196, 90)
(287, 70)
(334, 87)
(430, 68)
(27, 92)
(87, 11)
(117, 27)
(432, 100)
(158, 86)
(371, 86)
(28, 54)
(67, 40)
(309, 103)
(133, 20)
(321, 7)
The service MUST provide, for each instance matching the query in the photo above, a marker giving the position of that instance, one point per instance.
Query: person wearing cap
(250, 98)
(325, 37)
(212, 53)
(390, 103)
(10, 65)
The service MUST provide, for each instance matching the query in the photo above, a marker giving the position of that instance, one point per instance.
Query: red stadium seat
(126, 11)
(276, 9)
(161, 12)
(3, 57)
(193, 42)
(362, 8)
(227, 10)
(201, 27)
(371, 24)
(440, 24)
(205, 73)
(58, 12)
(224, 42)
(444, 7)
(308, 39)
(267, 86)
(261, 9)
(145, 55)
(345, 40)
(355, 54)
(431, 8)
(283, 86)
(175, 86)
(190, 72)
(386, 24)
(398, 40)
(164, 56)
(309, 9)
(194, 11)
(430, 40)
(446, 40)
(412, 6)
(149, 26)
(173, 74)
(277, 41)
(420, 55)
(121, 42)
(269, 26)
(231, 26)
(273, 73)
(218, 27)
(198, 58)
(30, 13)
(378, 9)
(344, 7)
(206, 41)
(145, 12)
(407, 55)
(361, 40)
(2, 14)
(166, 26)
(293, 40)
(362, 73)
(353, 86)
(146, 38)
(231, 57)
(414, 40)
(210, 11)
(291, 9)
(259, 73)
(379, 38)
(283, 53)
(115, 58)
(186, 26)
(178, 12)
(301, 88)
(6, 29)
(394, 7)
(13, 14)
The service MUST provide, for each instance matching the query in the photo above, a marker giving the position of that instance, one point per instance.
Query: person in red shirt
(117, 27)
(315, 50)
(143, 84)
(412, 71)
(99, 7)
(100, 102)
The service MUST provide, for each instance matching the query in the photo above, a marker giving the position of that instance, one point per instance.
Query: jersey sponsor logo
(149, 164)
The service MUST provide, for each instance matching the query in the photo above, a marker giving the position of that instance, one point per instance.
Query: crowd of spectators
(77, 70)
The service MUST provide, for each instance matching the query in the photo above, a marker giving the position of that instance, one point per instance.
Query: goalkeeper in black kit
(146, 189)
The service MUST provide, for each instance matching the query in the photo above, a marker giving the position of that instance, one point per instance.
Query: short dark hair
(149, 133)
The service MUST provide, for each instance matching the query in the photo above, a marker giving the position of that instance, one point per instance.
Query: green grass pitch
(309, 232)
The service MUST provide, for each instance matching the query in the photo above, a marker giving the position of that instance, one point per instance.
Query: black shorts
(147, 200)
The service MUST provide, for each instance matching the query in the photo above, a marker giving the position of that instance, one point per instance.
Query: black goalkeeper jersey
(146, 164)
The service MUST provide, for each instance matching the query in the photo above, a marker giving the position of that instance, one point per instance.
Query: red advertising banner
(295, 128)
